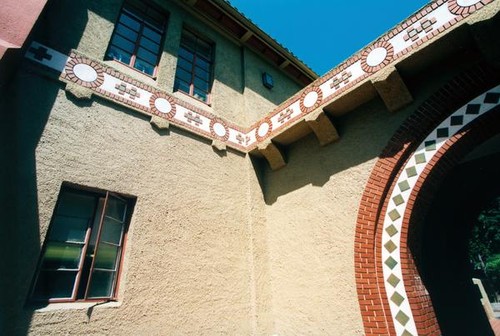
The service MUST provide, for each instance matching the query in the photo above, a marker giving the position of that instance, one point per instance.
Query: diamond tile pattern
(394, 214)
(397, 298)
(403, 185)
(402, 318)
(430, 145)
(472, 109)
(492, 98)
(420, 158)
(442, 132)
(393, 280)
(411, 171)
(406, 333)
(391, 230)
(390, 246)
(390, 262)
(456, 120)
(398, 199)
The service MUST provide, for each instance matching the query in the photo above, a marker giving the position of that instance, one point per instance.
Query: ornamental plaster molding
(428, 24)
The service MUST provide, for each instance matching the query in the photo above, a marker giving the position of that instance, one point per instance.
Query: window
(137, 38)
(194, 66)
(84, 246)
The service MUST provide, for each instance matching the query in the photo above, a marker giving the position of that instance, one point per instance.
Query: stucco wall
(188, 257)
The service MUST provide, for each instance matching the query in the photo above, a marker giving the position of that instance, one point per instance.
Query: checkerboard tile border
(425, 25)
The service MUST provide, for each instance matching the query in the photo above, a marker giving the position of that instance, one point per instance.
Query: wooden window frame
(193, 66)
(139, 13)
(97, 194)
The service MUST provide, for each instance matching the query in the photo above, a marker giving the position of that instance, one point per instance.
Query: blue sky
(323, 33)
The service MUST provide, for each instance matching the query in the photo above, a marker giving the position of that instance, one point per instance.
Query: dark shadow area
(441, 245)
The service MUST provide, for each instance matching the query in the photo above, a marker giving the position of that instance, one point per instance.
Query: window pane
(204, 49)
(129, 21)
(144, 67)
(188, 40)
(147, 56)
(111, 231)
(200, 94)
(200, 84)
(116, 208)
(128, 33)
(152, 35)
(203, 64)
(101, 284)
(181, 85)
(69, 229)
(54, 285)
(184, 75)
(150, 45)
(200, 73)
(106, 256)
(123, 44)
(119, 55)
(76, 205)
(61, 255)
(187, 55)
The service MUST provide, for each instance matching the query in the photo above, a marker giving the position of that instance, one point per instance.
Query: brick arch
(376, 284)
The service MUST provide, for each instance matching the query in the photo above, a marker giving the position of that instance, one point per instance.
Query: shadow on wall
(363, 134)
(25, 105)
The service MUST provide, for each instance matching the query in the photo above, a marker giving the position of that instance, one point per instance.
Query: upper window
(84, 246)
(194, 66)
(137, 38)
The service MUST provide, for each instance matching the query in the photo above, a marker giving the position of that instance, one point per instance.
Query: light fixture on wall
(267, 80)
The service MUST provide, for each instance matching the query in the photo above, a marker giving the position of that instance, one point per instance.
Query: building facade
(170, 169)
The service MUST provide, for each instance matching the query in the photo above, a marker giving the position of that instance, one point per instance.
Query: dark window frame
(148, 17)
(98, 211)
(189, 61)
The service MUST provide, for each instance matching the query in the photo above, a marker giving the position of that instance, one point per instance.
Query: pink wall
(16, 20)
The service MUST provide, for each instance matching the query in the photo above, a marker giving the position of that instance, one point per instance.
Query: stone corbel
(272, 154)
(392, 89)
(322, 126)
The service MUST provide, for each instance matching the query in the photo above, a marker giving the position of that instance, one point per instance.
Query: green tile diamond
(397, 298)
(390, 246)
(393, 280)
(394, 215)
(412, 171)
(420, 158)
(402, 318)
(430, 145)
(390, 262)
(403, 185)
(406, 333)
(398, 199)
(391, 230)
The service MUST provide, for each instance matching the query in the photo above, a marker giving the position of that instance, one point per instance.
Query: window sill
(132, 72)
(190, 99)
(78, 306)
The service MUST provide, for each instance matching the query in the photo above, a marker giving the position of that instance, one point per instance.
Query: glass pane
(182, 86)
(203, 64)
(182, 63)
(61, 255)
(151, 34)
(204, 49)
(69, 229)
(101, 285)
(147, 56)
(106, 256)
(144, 67)
(200, 94)
(119, 55)
(54, 285)
(128, 33)
(122, 43)
(111, 231)
(202, 74)
(129, 21)
(76, 205)
(187, 55)
(150, 45)
(188, 40)
(200, 84)
(183, 75)
(116, 208)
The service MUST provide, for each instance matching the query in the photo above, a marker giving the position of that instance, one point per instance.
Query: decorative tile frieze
(430, 22)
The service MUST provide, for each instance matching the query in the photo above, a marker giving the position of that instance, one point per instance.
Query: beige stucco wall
(188, 267)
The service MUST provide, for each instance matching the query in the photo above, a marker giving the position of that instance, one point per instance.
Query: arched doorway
(439, 240)
(393, 298)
